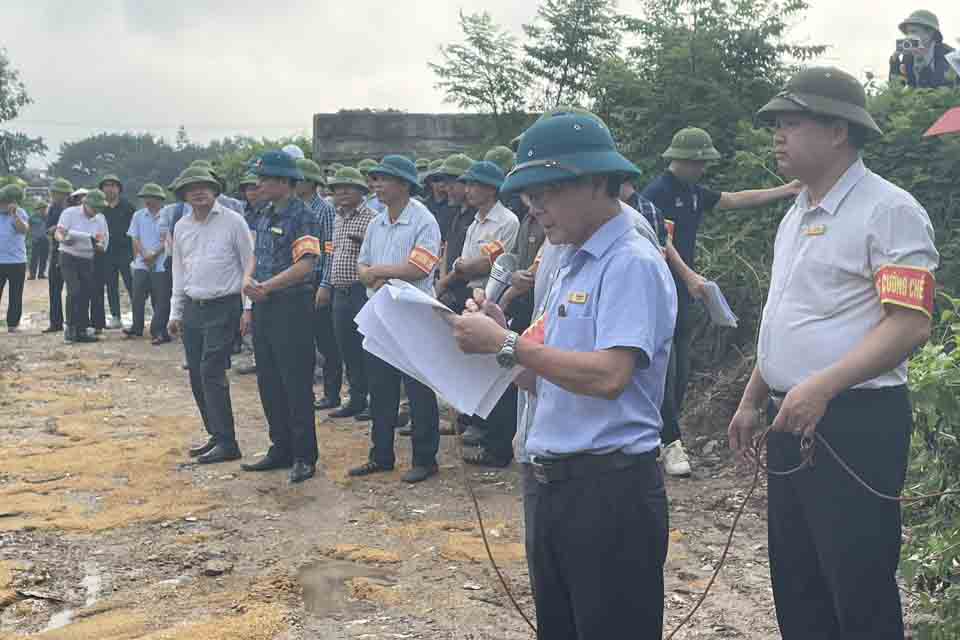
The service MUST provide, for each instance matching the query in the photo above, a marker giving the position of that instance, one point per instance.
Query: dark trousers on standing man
(208, 328)
(385, 400)
(326, 343)
(55, 290)
(497, 430)
(78, 274)
(347, 303)
(39, 251)
(117, 268)
(152, 284)
(615, 590)
(283, 347)
(98, 315)
(834, 547)
(15, 275)
(678, 375)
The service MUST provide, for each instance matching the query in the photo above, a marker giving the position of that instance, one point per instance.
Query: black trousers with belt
(78, 274)
(326, 341)
(55, 288)
(347, 303)
(385, 406)
(834, 548)
(208, 328)
(599, 546)
(283, 346)
(15, 275)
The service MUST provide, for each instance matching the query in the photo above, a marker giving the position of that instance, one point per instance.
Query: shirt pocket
(572, 333)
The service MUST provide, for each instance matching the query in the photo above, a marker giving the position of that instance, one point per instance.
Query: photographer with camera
(921, 56)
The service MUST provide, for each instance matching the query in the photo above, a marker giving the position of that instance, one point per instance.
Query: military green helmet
(152, 190)
(95, 199)
(61, 185)
(110, 177)
(485, 172)
(566, 147)
(348, 177)
(366, 165)
(436, 164)
(11, 194)
(203, 164)
(311, 171)
(196, 175)
(822, 91)
(559, 111)
(692, 144)
(248, 180)
(455, 166)
(923, 18)
(422, 164)
(503, 157)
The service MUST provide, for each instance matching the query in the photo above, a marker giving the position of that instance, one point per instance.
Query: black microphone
(501, 274)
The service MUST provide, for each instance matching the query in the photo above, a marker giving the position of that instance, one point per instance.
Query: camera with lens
(907, 44)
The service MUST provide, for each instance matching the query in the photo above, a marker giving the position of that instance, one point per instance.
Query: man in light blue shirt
(148, 267)
(14, 224)
(597, 360)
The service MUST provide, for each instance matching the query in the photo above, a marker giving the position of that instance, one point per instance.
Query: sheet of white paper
(401, 326)
(720, 312)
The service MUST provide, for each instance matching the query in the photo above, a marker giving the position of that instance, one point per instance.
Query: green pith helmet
(203, 164)
(11, 194)
(95, 199)
(923, 18)
(566, 147)
(455, 166)
(558, 111)
(823, 91)
(503, 157)
(436, 164)
(422, 164)
(484, 172)
(692, 144)
(311, 171)
(401, 167)
(110, 177)
(152, 190)
(366, 165)
(61, 185)
(277, 164)
(348, 177)
(195, 175)
(248, 180)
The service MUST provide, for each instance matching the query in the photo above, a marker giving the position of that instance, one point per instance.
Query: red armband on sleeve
(305, 245)
(423, 260)
(904, 286)
(492, 250)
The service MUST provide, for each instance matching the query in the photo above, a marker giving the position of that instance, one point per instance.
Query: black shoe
(419, 474)
(405, 430)
(326, 403)
(349, 411)
(367, 469)
(267, 463)
(220, 453)
(471, 437)
(201, 449)
(130, 333)
(302, 471)
(363, 416)
(52, 330)
(83, 337)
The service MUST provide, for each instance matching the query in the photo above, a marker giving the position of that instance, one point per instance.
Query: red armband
(423, 260)
(670, 227)
(910, 287)
(492, 250)
(328, 248)
(306, 245)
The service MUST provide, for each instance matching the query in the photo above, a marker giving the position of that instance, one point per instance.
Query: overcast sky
(237, 67)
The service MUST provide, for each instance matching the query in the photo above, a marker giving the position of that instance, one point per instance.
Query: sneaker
(675, 461)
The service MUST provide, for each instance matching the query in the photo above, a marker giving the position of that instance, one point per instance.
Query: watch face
(506, 358)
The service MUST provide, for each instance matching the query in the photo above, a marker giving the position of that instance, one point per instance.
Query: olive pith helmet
(566, 147)
(400, 167)
(822, 91)
(277, 164)
(152, 190)
(248, 180)
(61, 185)
(110, 177)
(455, 166)
(95, 199)
(436, 164)
(503, 157)
(484, 172)
(692, 144)
(558, 111)
(311, 171)
(422, 164)
(196, 175)
(11, 194)
(923, 18)
(366, 165)
(203, 164)
(348, 177)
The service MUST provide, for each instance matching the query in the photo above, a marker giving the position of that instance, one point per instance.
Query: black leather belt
(850, 396)
(550, 470)
(222, 299)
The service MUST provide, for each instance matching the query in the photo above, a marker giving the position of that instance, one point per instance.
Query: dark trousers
(39, 251)
(283, 347)
(497, 430)
(208, 330)
(529, 486)
(385, 405)
(678, 375)
(600, 543)
(152, 284)
(834, 548)
(55, 290)
(78, 274)
(347, 303)
(98, 315)
(117, 268)
(15, 274)
(326, 342)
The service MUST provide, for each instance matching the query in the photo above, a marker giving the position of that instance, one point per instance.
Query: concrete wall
(353, 135)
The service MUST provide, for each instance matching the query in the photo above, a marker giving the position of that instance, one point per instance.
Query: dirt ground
(108, 532)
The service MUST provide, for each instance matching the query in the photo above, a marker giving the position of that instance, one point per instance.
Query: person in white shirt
(82, 233)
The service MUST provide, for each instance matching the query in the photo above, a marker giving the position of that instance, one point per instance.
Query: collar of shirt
(496, 214)
(838, 193)
(214, 210)
(272, 210)
(404, 217)
(604, 237)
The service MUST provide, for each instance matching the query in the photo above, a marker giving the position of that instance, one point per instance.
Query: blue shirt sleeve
(657, 194)
(708, 198)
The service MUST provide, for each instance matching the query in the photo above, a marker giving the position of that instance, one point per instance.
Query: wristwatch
(507, 356)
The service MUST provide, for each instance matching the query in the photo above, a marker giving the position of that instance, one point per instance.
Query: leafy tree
(483, 72)
(15, 147)
(568, 41)
(183, 140)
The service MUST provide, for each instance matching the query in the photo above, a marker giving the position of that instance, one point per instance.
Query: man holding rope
(851, 296)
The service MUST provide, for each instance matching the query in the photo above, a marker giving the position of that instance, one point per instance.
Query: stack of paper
(405, 327)
(720, 312)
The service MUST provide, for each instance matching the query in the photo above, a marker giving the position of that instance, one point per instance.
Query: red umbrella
(948, 123)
